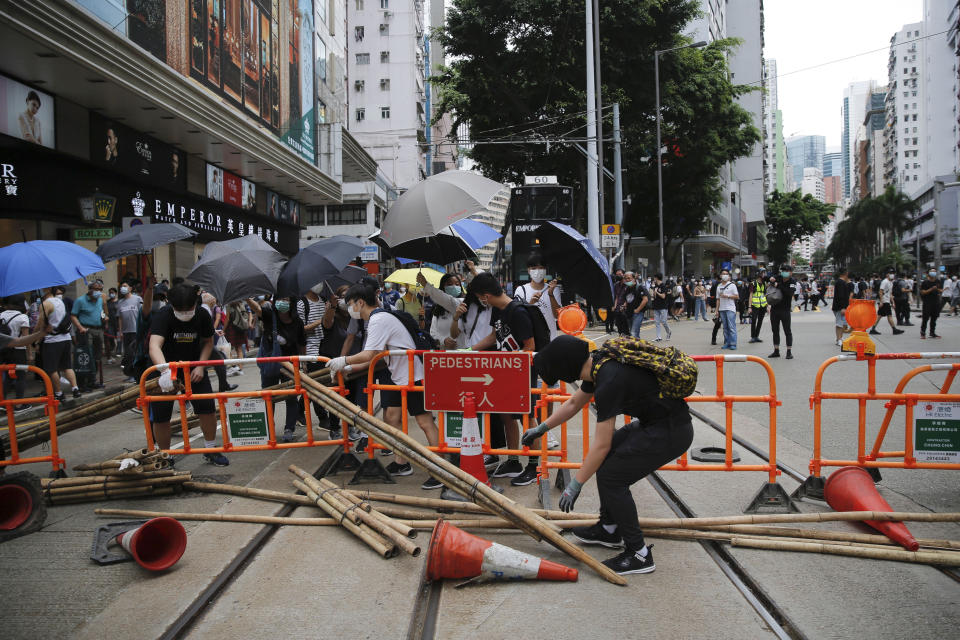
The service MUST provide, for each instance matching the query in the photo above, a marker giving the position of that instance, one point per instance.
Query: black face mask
(561, 359)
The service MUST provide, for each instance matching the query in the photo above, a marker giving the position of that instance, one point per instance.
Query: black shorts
(161, 411)
(885, 310)
(57, 356)
(390, 398)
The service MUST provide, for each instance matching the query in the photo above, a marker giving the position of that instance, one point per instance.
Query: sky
(804, 33)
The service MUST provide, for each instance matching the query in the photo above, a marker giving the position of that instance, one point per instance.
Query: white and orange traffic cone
(454, 553)
(157, 544)
(471, 450)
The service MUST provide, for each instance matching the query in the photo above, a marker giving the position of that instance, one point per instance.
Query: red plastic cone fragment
(16, 505)
(471, 444)
(454, 553)
(852, 489)
(156, 544)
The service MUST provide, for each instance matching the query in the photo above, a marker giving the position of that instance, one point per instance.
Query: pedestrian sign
(936, 432)
(499, 381)
(247, 421)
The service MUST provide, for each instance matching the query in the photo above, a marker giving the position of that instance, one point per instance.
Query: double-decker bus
(530, 206)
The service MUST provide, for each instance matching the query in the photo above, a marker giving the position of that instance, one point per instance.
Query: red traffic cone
(454, 553)
(852, 489)
(471, 443)
(157, 544)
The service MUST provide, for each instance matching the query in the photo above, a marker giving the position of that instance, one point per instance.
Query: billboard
(283, 209)
(229, 188)
(26, 113)
(136, 154)
(256, 53)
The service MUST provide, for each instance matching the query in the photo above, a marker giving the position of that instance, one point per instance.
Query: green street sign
(247, 421)
(936, 432)
(100, 233)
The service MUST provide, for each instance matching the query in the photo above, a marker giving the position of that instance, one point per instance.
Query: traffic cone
(157, 544)
(852, 489)
(454, 553)
(471, 443)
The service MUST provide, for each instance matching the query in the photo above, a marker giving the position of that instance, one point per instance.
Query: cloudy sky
(819, 33)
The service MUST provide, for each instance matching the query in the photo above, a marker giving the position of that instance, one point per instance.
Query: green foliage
(856, 242)
(518, 71)
(792, 216)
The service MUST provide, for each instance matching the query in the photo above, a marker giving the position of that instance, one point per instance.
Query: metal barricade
(877, 459)
(50, 411)
(268, 395)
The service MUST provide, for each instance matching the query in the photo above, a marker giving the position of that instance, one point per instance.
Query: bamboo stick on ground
(722, 536)
(58, 483)
(370, 538)
(220, 517)
(945, 558)
(121, 493)
(816, 534)
(379, 515)
(50, 490)
(454, 506)
(249, 492)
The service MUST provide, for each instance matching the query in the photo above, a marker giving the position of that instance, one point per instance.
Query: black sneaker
(386, 452)
(874, 332)
(431, 483)
(231, 387)
(362, 444)
(775, 354)
(288, 436)
(897, 332)
(217, 459)
(335, 434)
(529, 476)
(508, 469)
(76, 393)
(632, 562)
(491, 461)
(354, 434)
(395, 469)
(789, 355)
(596, 534)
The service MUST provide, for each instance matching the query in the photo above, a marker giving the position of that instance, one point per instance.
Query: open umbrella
(28, 266)
(143, 239)
(475, 233)
(409, 276)
(348, 275)
(573, 257)
(314, 264)
(239, 268)
(443, 248)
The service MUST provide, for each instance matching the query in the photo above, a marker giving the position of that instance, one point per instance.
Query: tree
(792, 216)
(857, 240)
(518, 73)
(819, 259)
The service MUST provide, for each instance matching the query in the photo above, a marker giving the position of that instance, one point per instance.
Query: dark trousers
(930, 313)
(15, 356)
(756, 320)
(638, 449)
(318, 411)
(903, 311)
(129, 351)
(781, 316)
(623, 324)
(221, 370)
(293, 409)
(717, 325)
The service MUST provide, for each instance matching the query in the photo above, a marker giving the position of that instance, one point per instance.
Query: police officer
(758, 306)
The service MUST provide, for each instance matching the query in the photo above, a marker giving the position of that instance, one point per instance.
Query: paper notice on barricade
(936, 432)
(247, 421)
(453, 425)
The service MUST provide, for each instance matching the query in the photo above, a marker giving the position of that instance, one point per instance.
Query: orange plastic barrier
(52, 405)
(876, 458)
(268, 395)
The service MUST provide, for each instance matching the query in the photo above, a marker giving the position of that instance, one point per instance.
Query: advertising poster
(135, 154)
(214, 182)
(232, 189)
(273, 205)
(249, 195)
(26, 113)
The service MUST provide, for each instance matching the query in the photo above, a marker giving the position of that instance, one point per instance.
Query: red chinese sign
(499, 381)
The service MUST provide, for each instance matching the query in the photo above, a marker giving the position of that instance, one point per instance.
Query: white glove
(337, 364)
(128, 463)
(166, 381)
(281, 340)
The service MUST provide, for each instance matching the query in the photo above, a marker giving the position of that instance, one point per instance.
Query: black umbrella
(312, 265)
(442, 248)
(143, 239)
(348, 275)
(573, 257)
(239, 268)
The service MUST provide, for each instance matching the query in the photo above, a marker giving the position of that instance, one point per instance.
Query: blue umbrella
(476, 233)
(573, 257)
(28, 266)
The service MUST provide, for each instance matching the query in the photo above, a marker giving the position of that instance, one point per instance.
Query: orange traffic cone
(454, 553)
(852, 489)
(157, 544)
(471, 443)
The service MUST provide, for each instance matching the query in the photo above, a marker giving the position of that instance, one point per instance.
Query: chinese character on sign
(483, 400)
(240, 227)
(229, 225)
(252, 230)
(11, 189)
(276, 236)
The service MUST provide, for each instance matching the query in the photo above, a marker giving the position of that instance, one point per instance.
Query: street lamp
(656, 79)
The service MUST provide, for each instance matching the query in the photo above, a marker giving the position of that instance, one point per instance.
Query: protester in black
(179, 333)
(842, 294)
(780, 311)
(661, 431)
(930, 289)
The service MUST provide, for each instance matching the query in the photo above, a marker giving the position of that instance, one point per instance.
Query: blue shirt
(88, 311)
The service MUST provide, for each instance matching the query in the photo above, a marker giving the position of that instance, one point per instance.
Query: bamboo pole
(839, 536)
(455, 506)
(451, 476)
(57, 483)
(249, 492)
(722, 536)
(50, 490)
(372, 540)
(945, 558)
(220, 517)
(107, 495)
(388, 521)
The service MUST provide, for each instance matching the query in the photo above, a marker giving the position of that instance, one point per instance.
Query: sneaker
(491, 461)
(230, 387)
(288, 436)
(754, 340)
(874, 332)
(362, 444)
(111, 361)
(76, 393)
(839, 343)
(632, 562)
(789, 355)
(596, 534)
(659, 339)
(386, 452)
(935, 336)
(923, 337)
(58, 397)
(529, 476)
(20, 408)
(217, 459)
(552, 442)
(897, 332)
(335, 434)
(508, 469)
(396, 469)
(431, 483)
(137, 410)
(131, 380)
(775, 354)
(354, 434)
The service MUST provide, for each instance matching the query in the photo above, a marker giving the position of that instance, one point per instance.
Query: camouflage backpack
(675, 371)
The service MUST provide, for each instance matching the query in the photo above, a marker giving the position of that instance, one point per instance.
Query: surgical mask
(283, 306)
(932, 274)
(630, 284)
(342, 304)
(784, 274)
(112, 295)
(537, 275)
(484, 303)
(403, 291)
(96, 294)
(724, 276)
(354, 313)
(890, 277)
(184, 316)
(124, 290)
(387, 286)
(59, 295)
(453, 290)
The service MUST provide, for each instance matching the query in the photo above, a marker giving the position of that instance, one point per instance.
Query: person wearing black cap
(661, 431)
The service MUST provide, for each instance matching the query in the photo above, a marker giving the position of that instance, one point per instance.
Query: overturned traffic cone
(157, 544)
(454, 553)
(852, 489)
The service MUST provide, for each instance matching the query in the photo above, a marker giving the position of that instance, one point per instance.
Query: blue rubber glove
(533, 434)
(569, 496)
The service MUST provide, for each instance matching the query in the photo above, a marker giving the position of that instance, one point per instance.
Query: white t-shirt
(475, 324)
(526, 293)
(59, 311)
(15, 321)
(886, 288)
(384, 332)
(948, 286)
(724, 303)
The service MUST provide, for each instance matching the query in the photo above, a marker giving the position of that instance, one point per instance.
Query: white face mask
(403, 291)
(354, 313)
(724, 276)
(537, 275)
(184, 316)
(342, 304)
(890, 277)
(124, 291)
(484, 303)
(932, 274)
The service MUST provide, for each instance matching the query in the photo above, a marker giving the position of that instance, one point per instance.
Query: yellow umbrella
(409, 276)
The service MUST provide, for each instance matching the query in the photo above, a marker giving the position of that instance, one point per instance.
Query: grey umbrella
(236, 269)
(435, 203)
(142, 239)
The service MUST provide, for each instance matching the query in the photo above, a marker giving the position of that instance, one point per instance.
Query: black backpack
(5, 325)
(541, 330)
(421, 339)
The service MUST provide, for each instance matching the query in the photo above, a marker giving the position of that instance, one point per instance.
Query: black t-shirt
(292, 331)
(634, 297)
(788, 287)
(667, 300)
(512, 326)
(841, 294)
(181, 340)
(625, 389)
(931, 299)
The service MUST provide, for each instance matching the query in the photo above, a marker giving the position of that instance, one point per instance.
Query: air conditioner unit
(358, 85)
(387, 14)
(383, 27)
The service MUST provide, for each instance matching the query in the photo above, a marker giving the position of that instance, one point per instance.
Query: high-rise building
(805, 152)
(939, 105)
(854, 106)
(494, 217)
(442, 148)
(832, 189)
(770, 126)
(833, 165)
(780, 149)
(813, 183)
(387, 67)
(869, 161)
(905, 140)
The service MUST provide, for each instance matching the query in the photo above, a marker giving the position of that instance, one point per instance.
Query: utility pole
(617, 178)
(593, 216)
(598, 99)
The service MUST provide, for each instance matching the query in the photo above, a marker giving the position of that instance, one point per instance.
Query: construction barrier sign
(247, 421)
(453, 428)
(937, 432)
(499, 381)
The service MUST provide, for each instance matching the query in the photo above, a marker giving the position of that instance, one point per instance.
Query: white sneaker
(839, 343)
(552, 442)
(64, 381)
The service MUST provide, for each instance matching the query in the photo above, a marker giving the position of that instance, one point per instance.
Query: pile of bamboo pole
(104, 480)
